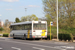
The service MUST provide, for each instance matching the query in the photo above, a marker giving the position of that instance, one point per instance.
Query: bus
(29, 29)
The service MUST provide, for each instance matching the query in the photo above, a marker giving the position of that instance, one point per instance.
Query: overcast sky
(10, 9)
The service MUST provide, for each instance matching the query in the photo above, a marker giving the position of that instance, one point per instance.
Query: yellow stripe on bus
(28, 36)
(43, 33)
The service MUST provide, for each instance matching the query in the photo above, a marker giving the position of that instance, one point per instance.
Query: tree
(67, 16)
(17, 20)
(42, 19)
(6, 22)
(29, 18)
(67, 11)
(50, 10)
(33, 17)
(23, 19)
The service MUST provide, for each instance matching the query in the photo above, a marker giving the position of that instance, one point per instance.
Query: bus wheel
(24, 37)
(13, 37)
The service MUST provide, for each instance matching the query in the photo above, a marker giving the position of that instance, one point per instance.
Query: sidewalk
(63, 41)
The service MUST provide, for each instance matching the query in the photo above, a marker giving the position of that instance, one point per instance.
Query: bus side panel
(20, 33)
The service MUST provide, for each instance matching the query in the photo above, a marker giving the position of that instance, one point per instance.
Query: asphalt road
(18, 44)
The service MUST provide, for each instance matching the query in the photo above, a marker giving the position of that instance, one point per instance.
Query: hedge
(48, 37)
(5, 35)
(65, 37)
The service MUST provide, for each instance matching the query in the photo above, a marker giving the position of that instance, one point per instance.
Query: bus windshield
(39, 26)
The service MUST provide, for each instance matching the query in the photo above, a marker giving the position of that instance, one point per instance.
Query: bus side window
(14, 27)
(28, 27)
(25, 27)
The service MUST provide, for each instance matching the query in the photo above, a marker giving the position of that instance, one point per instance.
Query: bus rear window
(39, 27)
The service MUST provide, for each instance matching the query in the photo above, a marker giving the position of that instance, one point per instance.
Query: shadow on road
(30, 39)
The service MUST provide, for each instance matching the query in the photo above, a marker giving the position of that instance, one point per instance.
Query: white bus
(29, 29)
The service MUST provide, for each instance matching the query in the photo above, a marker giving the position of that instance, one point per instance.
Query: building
(1, 23)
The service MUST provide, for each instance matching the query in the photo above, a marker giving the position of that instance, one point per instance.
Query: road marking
(1, 48)
(38, 48)
(65, 47)
(16, 48)
(60, 43)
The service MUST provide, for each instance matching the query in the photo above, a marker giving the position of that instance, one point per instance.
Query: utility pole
(57, 19)
(25, 13)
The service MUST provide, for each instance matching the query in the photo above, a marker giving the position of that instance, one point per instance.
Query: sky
(10, 9)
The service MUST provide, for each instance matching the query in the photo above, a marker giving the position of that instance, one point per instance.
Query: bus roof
(27, 22)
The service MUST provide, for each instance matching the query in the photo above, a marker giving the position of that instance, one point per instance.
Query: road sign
(51, 23)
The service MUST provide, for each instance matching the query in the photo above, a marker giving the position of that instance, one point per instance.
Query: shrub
(65, 37)
(5, 35)
(60, 38)
(48, 37)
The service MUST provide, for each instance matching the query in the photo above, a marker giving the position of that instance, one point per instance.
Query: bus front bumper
(39, 36)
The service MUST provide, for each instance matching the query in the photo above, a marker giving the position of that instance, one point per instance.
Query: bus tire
(24, 37)
(13, 37)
